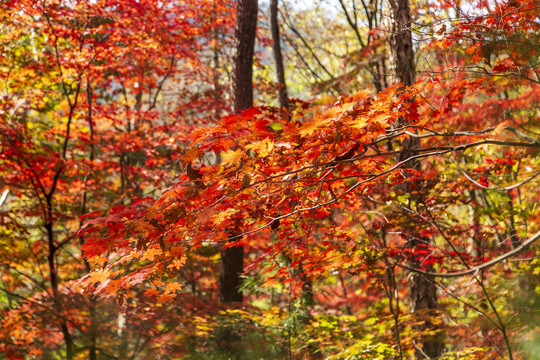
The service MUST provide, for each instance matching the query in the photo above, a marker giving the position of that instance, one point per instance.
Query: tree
(86, 126)
(232, 258)
(278, 57)
(423, 288)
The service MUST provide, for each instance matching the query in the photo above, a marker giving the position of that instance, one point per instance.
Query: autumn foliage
(125, 173)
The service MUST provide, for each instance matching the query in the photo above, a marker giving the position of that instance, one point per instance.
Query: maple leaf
(151, 253)
(172, 287)
(501, 127)
(190, 155)
(177, 263)
(262, 148)
(308, 128)
(222, 216)
(152, 292)
(96, 276)
(165, 297)
(231, 156)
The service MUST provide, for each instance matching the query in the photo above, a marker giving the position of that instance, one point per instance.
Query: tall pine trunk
(423, 291)
(232, 259)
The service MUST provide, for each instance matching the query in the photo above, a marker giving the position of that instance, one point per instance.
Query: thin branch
(476, 269)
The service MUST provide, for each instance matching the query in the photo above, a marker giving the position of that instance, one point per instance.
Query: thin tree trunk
(232, 259)
(216, 67)
(70, 346)
(278, 57)
(423, 291)
(92, 354)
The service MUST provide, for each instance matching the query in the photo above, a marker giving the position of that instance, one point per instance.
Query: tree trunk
(231, 267)
(423, 291)
(402, 45)
(70, 346)
(232, 259)
(242, 76)
(278, 57)
(92, 347)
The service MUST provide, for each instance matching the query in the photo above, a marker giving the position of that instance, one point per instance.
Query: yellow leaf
(224, 215)
(359, 123)
(362, 94)
(262, 148)
(381, 118)
(308, 128)
(231, 156)
(100, 275)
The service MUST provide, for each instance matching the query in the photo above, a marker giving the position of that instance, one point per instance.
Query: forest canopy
(243, 179)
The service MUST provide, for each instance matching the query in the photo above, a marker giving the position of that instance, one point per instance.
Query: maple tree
(391, 224)
(86, 124)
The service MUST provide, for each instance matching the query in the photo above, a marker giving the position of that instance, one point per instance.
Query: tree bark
(232, 259)
(70, 346)
(242, 76)
(231, 267)
(92, 347)
(402, 45)
(423, 290)
(278, 57)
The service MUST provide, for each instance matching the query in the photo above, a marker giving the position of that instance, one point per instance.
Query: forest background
(349, 179)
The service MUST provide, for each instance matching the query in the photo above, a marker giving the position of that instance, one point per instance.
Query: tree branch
(476, 269)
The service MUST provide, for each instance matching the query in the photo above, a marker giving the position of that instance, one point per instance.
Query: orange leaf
(500, 128)
(152, 292)
(172, 287)
(190, 155)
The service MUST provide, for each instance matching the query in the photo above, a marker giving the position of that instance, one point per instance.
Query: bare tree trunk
(402, 45)
(92, 354)
(70, 346)
(242, 76)
(231, 267)
(423, 290)
(278, 57)
(232, 259)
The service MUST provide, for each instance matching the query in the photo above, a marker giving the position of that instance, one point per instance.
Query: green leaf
(276, 126)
